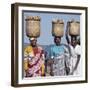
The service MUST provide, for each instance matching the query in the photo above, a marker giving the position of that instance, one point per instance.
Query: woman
(59, 59)
(75, 48)
(34, 59)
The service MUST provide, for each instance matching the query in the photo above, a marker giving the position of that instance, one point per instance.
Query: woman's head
(57, 40)
(73, 41)
(33, 41)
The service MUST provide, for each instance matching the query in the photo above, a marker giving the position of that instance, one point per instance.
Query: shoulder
(28, 48)
(62, 46)
(78, 49)
(39, 47)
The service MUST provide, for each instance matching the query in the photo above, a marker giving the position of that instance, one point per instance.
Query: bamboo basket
(58, 28)
(33, 26)
(74, 28)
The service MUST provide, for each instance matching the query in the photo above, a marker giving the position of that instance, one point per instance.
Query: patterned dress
(60, 57)
(34, 61)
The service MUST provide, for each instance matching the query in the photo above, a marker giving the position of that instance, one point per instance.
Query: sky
(46, 37)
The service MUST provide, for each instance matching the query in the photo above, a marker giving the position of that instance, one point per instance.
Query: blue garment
(58, 55)
(57, 50)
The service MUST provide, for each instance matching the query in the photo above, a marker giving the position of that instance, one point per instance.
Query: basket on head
(74, 28)
(33, 26)
(58, 28)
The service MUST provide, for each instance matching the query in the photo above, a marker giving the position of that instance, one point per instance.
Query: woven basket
(58, 28)
(74, 28)
(33, 26)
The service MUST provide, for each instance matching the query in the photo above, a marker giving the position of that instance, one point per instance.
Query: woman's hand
(50, 62)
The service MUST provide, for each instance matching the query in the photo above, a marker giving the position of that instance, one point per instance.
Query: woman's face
(33, 43)
(73, 42)
(57, 40)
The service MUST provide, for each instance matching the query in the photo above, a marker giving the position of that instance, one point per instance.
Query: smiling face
(57, 40)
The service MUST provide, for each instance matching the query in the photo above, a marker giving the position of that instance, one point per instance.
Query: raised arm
(66, 34)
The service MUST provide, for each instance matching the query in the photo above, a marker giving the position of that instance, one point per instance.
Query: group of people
(61, 61)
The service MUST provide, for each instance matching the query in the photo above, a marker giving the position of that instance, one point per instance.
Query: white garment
(59, 66)
(74, 53)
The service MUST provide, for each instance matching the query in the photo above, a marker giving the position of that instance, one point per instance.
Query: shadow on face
(33, 42)
(73, 41)
(57, 40)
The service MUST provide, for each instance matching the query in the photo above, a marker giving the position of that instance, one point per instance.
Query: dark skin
(73, 38)
(33, 43)
(73, 43)
(57, 41)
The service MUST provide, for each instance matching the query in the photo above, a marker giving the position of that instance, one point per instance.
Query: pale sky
(46, 37)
